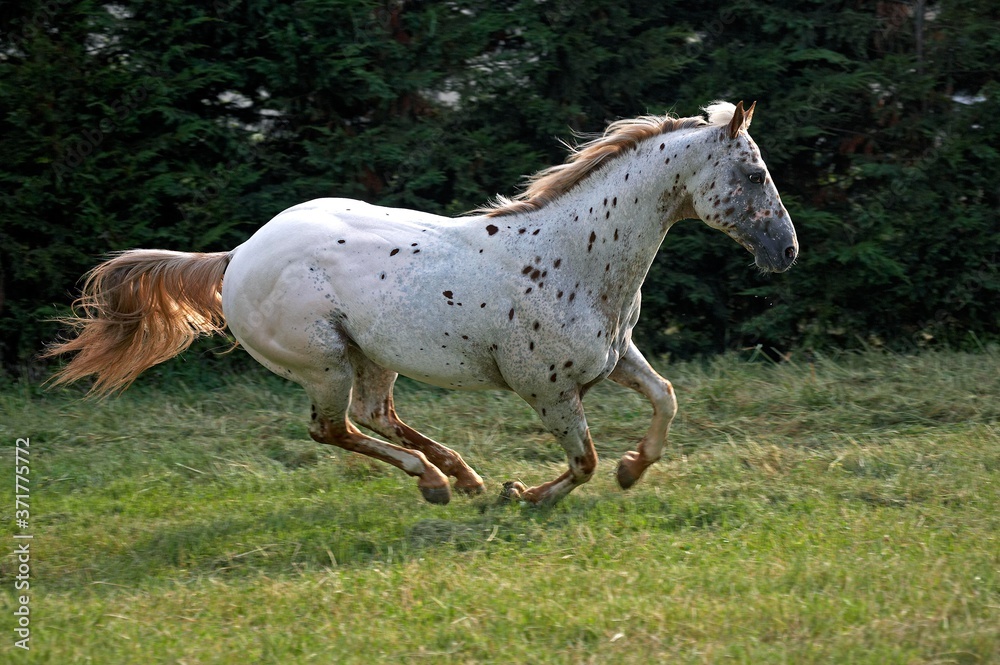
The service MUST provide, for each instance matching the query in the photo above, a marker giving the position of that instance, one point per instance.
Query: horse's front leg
(634, 372)
(565, 420)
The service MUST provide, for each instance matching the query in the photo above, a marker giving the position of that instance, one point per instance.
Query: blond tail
(138, 309)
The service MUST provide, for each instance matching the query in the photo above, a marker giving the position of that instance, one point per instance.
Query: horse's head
(736, 195)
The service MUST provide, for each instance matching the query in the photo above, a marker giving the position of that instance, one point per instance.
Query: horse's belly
(457, 366)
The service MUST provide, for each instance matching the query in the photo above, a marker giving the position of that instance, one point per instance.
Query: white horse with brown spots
(537, 294)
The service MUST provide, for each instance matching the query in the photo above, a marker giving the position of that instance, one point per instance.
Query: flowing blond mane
(620, 137)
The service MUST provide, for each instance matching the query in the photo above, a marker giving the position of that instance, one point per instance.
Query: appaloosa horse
(536, 294)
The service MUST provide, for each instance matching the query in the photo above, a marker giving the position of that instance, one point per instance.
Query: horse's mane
(619, 137)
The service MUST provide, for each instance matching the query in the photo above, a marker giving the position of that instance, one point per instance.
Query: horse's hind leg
(331, 397)
(372, 407)
(634, 372)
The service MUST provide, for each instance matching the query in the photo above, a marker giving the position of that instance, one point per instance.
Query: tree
(187, 125)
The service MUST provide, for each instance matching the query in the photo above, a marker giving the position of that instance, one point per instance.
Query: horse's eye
(756, 178)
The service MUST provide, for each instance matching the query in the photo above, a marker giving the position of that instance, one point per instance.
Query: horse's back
(336, 271)
(338, 241)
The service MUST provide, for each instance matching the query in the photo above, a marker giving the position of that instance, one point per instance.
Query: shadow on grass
(283, 540)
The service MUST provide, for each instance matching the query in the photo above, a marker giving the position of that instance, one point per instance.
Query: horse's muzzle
(777, 255)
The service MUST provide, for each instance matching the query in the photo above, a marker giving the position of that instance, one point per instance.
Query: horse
(536, 294)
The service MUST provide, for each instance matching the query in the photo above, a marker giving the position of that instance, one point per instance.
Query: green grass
(841, 511)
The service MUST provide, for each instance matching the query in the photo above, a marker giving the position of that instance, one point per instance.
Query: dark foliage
(186, 125)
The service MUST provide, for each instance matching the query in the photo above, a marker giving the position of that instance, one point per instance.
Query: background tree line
(186, 125)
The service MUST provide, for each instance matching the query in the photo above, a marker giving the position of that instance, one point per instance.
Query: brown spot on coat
(491, 229)
(394, 252)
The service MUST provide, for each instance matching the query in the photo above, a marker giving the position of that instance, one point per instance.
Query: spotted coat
(540, 299)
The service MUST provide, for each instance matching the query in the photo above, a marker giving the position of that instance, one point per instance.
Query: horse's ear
(748, 116)
(736, 124)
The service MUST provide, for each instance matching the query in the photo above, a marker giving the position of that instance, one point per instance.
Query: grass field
(844, 510)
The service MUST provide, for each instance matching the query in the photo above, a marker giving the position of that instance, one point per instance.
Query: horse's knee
(322, 433)
(665, 400)
(583, 466)
(324, 430)
(372, 414)
(319, 428)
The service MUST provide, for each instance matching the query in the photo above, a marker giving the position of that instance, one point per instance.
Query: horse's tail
(138, 309)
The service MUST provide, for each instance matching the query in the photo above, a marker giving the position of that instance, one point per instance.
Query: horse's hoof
(471, 490)
(630, 468)
(437, 495)
(624, 477)
(512, 490)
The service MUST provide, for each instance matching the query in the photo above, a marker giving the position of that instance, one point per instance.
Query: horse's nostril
(790, 252)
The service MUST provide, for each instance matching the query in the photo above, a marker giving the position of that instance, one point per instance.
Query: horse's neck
(613, 222)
